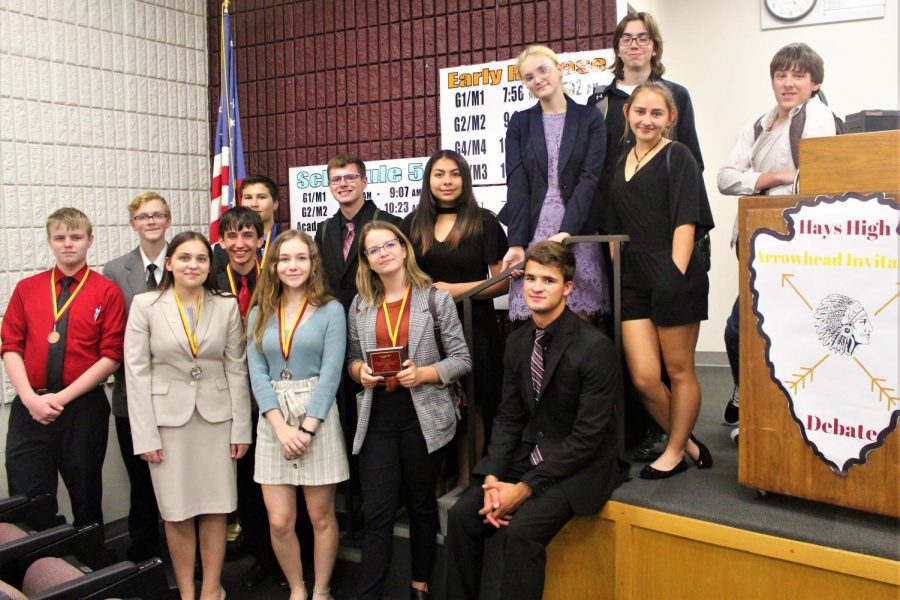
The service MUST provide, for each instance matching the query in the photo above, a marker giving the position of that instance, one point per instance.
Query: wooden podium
(772, 454)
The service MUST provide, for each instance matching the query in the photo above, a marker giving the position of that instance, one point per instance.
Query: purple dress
(590, 294)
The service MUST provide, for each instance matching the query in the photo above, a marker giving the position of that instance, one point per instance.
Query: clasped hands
(501, 500)
(43, 408)
(294, 442)
(409, 377)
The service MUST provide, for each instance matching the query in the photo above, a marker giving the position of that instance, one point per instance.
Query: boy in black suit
(553, 451)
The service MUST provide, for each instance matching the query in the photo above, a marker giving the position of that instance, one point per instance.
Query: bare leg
(281, 503)
(678, 344)
(213, 534)
(326, 534)
(181, 537)
(642, 342)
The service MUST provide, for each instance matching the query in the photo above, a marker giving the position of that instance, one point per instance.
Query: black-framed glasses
(389, 245)
(643, 39)
(349, 178)
(153, 217)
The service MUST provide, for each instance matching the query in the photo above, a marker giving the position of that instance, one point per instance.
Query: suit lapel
(558, 346)
(206, 317)
(350, 265)
(173, 318)
(134, 275)
(418, 318)
(538, 143)
(570, 132)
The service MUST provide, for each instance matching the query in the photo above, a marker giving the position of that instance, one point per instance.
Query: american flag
(228, 161)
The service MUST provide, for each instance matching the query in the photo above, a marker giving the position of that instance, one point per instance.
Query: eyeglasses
(642, 39)
(542, 70)
(153, 217)
(349, 178)
(389, 245)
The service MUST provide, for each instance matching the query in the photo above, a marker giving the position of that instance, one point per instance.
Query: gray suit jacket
(127, 272)
(161, 391)
(434, 406)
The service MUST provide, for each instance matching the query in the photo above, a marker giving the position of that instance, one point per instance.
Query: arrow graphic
(888, 303)
(884, 392)
(786, 278)
(805, 372)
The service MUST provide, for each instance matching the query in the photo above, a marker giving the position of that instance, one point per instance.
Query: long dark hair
(468, 218)
(188, 236)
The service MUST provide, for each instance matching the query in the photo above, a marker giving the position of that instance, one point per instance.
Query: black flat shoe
(415, 594)
(704, 460)
(254, 576)
(649, 472)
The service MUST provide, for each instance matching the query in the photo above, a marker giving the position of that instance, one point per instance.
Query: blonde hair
(536, 50)
(368, 283)
(269, 288)
(71, 218)
(663, 90)
(143, 198)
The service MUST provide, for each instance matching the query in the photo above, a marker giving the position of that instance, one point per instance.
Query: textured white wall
(99, 100)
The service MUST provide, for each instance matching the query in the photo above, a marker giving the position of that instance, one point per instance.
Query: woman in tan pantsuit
(189, 406)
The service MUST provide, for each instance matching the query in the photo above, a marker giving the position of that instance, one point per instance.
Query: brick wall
(98, 101)
(318, 77)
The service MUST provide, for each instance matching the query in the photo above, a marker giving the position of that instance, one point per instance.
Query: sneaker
(734, 435)
(653, 445)
(730, 417)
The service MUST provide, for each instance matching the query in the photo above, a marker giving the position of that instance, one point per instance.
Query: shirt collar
(160, 261)
(553, 328)
(58, 274)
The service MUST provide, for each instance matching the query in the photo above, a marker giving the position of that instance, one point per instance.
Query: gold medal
(53, 337)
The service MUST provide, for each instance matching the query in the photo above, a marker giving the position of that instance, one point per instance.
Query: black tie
(57, 352)
(151, 278)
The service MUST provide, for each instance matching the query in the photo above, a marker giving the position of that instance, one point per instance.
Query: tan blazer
(161, 391)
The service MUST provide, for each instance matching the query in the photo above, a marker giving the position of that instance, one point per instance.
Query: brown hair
(71, 218)
(659, 88)
(342, 160)
(798, 57)
(656, 67)
(269, 288)
(552, 254)
(468, 217)
(368, 282)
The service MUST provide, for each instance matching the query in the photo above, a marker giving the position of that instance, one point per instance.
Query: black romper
(470, 262)
(659, 198)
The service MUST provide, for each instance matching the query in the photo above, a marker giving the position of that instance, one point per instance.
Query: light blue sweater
(317, 349)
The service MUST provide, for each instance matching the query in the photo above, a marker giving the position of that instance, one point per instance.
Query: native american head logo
(842, 324)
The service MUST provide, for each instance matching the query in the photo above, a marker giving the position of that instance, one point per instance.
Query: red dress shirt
(96, 324)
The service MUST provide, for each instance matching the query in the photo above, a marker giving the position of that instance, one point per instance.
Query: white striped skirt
(323, 463)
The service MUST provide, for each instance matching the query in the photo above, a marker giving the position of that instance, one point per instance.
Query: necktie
(244, 296)
(53, 380)
(151, 277)
(349, 234)
(537, 378)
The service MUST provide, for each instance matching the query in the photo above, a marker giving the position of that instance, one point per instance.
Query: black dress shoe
(649, 472)
(415, 594)
(254, 576)
(281, 581)
(704, 460)
(653, 445)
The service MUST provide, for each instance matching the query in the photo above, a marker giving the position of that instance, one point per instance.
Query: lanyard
(192, 338)
(231, 278)
(57, 314)
(394, 332)
(265, 249)
(287, 339)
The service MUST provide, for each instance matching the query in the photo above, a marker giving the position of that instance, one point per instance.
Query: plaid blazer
(433, 404)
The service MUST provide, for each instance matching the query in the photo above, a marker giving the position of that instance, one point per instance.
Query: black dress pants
(395, 467)
(143, 513)
(530, 529)
(74, 445)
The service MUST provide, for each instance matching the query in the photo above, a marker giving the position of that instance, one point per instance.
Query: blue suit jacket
(581, 158)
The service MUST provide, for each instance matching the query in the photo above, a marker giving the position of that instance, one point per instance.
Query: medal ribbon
(287, 338)
(192, 338)
(394, 332)
(231, 278)
(265, 249)
(57, 314)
